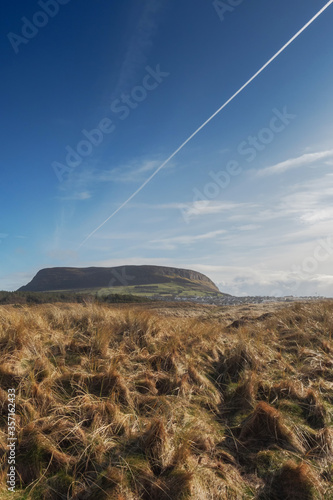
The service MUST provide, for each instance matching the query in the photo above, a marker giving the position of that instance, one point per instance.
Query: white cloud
(300, 161)
(121, 236)
(128, 173)
(303, 203)
(311, 201)
(13, 281)
(84, 195)
(206, 207)
(256, 280)
(95, 173)
(249, 227)
(139, 45)
(172, 243)
(320, 214)
(195, 208)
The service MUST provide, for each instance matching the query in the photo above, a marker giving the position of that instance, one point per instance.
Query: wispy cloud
(319, 214)
(206, 207)
(122, 236)
(132, 172)
(97, 172)
(249, 227)
(292, 163)
(84, 195)
(308, 202)
(13, 281)
(139, 45)
(257, 280)
(203, 207)
(173, 243)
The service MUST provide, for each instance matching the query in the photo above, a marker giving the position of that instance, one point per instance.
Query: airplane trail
(292, 39)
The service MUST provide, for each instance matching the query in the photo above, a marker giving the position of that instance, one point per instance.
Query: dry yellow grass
(136, 402)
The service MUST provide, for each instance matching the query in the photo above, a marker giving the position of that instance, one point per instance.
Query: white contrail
(209, 119)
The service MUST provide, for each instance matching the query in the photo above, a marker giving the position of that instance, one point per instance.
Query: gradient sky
(148, 73)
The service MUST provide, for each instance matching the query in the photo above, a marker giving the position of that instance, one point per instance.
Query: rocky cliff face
(72, 278)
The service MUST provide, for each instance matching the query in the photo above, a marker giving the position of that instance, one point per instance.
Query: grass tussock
(264, 427)
(140, 403)
(296, 481)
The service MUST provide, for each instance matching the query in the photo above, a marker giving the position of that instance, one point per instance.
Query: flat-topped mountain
(133, 278)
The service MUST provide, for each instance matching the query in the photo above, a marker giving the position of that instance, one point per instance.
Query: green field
(163, 289)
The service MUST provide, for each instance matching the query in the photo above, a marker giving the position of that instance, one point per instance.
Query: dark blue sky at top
(65, 79)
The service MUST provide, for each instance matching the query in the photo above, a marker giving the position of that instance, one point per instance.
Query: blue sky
(248, 201)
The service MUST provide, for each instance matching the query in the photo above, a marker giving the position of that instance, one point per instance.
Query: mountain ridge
(78, 278)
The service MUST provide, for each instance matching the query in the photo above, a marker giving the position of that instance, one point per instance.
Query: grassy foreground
(122, 403)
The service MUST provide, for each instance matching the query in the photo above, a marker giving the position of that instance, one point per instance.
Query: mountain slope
(72, 278)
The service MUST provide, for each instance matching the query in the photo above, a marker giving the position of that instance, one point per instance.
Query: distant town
(228, 300)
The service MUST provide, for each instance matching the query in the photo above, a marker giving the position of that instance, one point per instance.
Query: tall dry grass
(124, 404)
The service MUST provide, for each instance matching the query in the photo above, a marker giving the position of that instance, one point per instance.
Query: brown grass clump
(321, 444)
(155, 446)
(290, 389)
(3, 449)
(137, 329)
(3, 401)
(235, 360)
(309, 400)
(36, 451)
(42, 398)
(110, 384)
(265, 426)
(41, 369)
(315, 411)
(244, 394)
(297, 482)
(65, 433)
(14, 334)
(146, 383)
(164, 362)
(9, 376)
